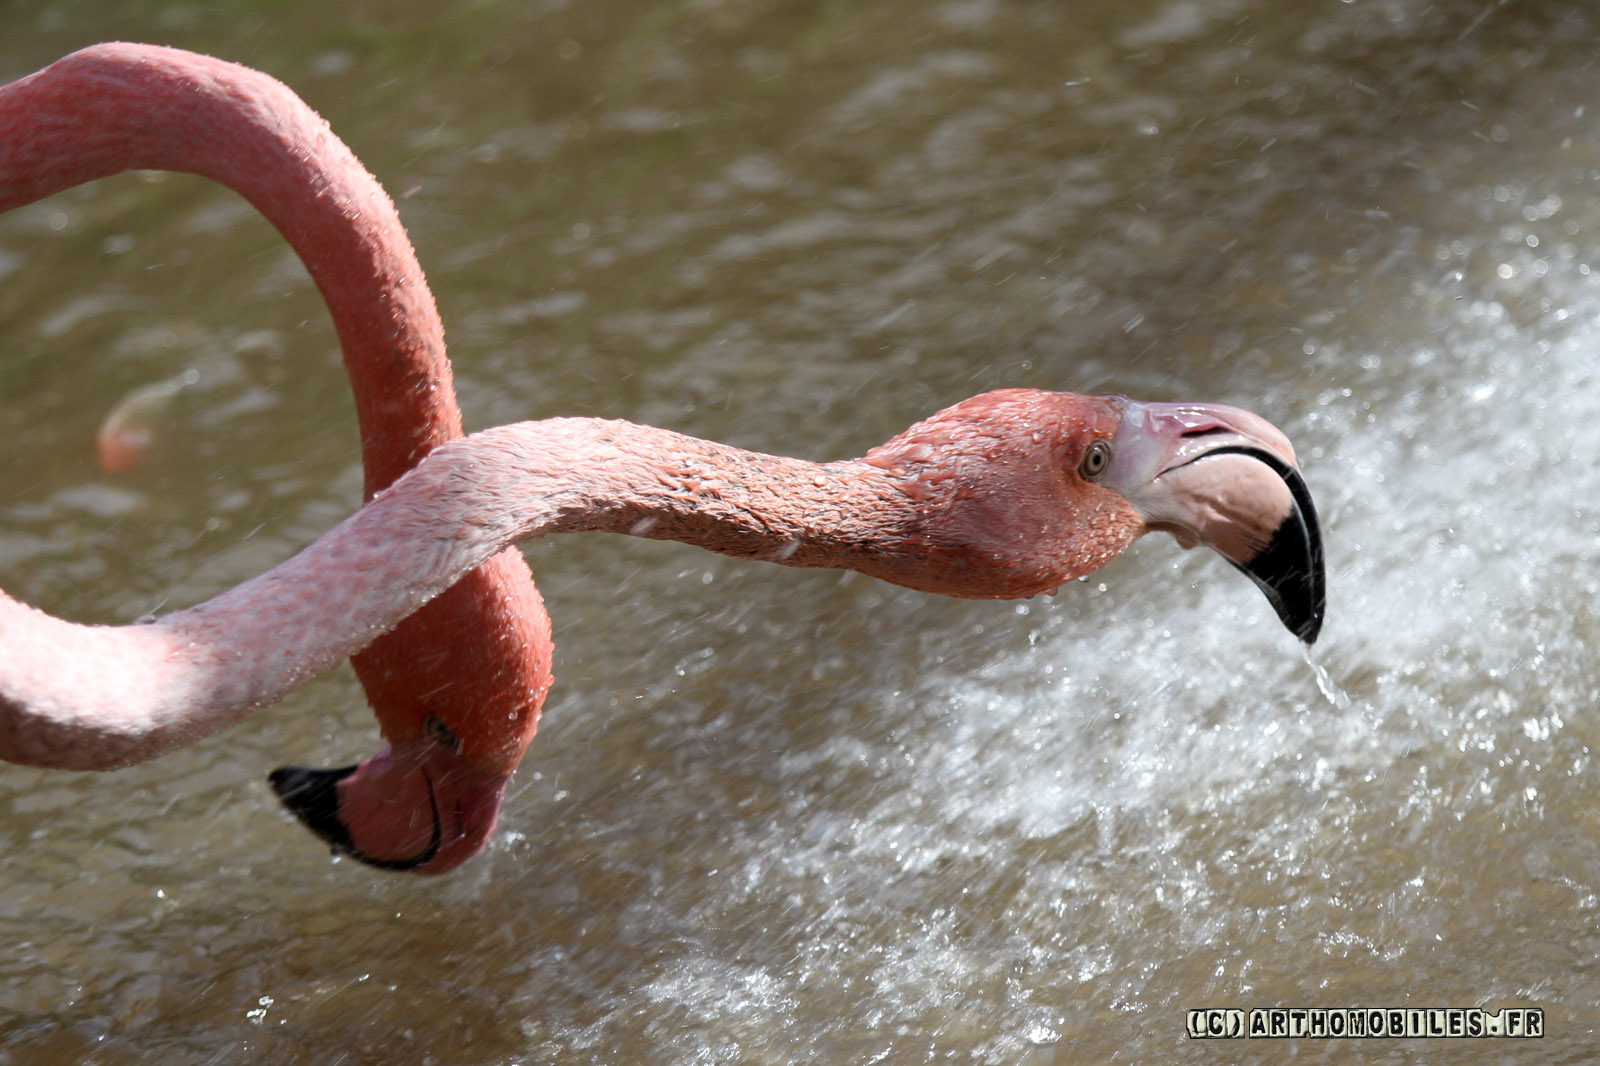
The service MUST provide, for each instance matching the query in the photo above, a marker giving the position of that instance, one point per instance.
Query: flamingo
(474, 664)
(1008, 494)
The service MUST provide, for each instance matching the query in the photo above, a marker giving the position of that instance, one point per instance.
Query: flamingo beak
(1223, 477)
(415, 806)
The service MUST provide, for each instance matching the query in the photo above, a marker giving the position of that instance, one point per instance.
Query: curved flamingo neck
(86, 697)
(118, 107)
(903, 513)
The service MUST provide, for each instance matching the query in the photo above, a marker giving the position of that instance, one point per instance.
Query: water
(778, 816)
(1338, 697)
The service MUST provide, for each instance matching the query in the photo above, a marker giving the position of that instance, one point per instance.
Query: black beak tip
(1297, 597)
(1290, 571)
(313, 797)
(1290, 568)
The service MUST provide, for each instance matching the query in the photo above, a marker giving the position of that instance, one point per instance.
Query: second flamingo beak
(417, 806)
(1223, 477)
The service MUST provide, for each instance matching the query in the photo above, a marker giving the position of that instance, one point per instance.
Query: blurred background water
(780, 816)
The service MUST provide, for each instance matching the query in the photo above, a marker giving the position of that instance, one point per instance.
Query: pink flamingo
(474, 664)
(1007, 494)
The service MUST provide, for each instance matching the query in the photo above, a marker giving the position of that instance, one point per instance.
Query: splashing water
(1338, 697)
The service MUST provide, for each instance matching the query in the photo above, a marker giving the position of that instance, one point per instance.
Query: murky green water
(779, 816)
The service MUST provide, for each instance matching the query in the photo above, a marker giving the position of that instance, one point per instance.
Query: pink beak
(416, 805)
(1223, 477)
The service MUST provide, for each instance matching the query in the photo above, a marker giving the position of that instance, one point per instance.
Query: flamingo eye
(441, 734)
(1096, 457)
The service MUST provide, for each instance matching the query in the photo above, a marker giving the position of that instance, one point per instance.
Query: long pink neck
(87, 697)
(954, 505)
(480, 652)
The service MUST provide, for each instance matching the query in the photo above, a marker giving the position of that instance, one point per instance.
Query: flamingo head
(419, 805)
(1016, 492)
(457, 711)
